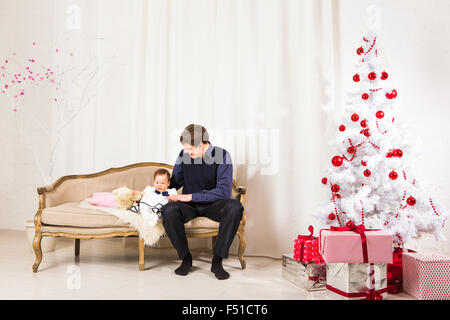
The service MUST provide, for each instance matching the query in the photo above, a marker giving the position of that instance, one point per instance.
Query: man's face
(161, 183)
(194, 152)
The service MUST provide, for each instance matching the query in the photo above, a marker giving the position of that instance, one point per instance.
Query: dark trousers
(227, 212)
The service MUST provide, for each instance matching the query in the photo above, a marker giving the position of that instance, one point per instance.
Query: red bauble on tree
(365, 96)
(366, 132)
(335, 188)
(411, 201)
(398, 153)
(350, 224)
(356, 78)
(384, 75)
(367, 173)
(379, 114)
(331, 216)
(372, 76)
(360, 50)
(363, 163)
(342, 128)
(393, 175)
(364, 123)
(355, 117)
(351, 149)
(324, 180)
(337, 161)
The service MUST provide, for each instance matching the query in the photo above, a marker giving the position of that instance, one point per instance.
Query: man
(205, 172)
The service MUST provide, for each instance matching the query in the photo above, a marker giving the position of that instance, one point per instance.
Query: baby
(154, 198)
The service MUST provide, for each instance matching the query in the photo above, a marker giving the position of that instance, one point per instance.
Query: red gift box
(394, 271)
(306, 248)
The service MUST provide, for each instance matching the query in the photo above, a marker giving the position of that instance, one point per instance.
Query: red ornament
(393, 175)
(379, 114)
(384, 75)
(411, 201)
(364, 163)
(365, 96)
(351, 149)
(389, 154)
(350, 224)
(372, 76)
(331, 216)
(398, 153)
(360, 50)
(364, 123)
(335, 188)
(324, 180)
(355, 117)
(367, 132)
(394, 93)
(341, 128)
(337, 196)
(337, 161)
(367, 173)
(356, 77)
(388, 95)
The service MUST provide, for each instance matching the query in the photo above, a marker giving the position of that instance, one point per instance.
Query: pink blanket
(103, 199)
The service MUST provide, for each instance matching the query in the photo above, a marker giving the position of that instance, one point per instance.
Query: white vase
(48, 244)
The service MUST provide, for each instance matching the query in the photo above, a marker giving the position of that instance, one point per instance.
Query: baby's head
(161, 179)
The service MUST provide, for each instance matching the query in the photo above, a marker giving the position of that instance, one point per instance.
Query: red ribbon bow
(360, 229)
(374, 295)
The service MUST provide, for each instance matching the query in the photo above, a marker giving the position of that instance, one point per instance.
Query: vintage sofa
(59, 214)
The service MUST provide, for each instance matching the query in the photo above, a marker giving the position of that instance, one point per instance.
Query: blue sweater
(208, 179)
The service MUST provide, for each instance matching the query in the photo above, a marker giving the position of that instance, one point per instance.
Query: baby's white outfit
(152, 201)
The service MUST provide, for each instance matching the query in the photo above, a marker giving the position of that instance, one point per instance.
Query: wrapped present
(355, 245)
(310, 276)
(306, 248)
(357, 281)
(426, 277)
(394, 271)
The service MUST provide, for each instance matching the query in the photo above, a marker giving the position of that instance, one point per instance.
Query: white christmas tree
(370, 180)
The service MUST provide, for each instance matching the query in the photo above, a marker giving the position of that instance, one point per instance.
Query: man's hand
(180, 197)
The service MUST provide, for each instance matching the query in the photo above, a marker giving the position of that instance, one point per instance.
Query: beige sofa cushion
(78, 230)
(71, 215)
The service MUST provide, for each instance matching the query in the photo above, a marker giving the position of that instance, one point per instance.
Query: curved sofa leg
(141, 254)
(37, 250)
(242, 244)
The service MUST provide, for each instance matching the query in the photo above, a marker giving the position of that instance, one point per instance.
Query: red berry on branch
(372, 76)
(367, 173)
(341, 128)
(393, 175)
(335, 188)
(351, 149)
(324, 180)
(367, 132)
(384, 75)
(365, 96)
(355, 117)
(379, 114)
(331, 216)
(356, 78)
(364, 123)
(411, 201)
(337, 161)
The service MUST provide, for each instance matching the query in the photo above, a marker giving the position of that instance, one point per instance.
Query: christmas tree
(369, 178)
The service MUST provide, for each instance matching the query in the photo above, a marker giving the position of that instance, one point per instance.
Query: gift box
(357, 281)
(341, 245)
(310, 276)
(395, 270)
(426, 277)
(306, 248)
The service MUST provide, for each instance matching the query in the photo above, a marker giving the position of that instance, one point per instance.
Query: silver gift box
(311, 276)
(355, 278)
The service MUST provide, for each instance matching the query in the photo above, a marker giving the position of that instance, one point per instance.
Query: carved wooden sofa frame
(45, 193)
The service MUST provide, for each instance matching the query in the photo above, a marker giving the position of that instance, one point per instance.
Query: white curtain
(258, 75)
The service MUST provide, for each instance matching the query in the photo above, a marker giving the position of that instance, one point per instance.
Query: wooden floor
(108, 269)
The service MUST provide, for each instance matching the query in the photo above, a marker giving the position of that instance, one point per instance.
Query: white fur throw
(148, 231)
